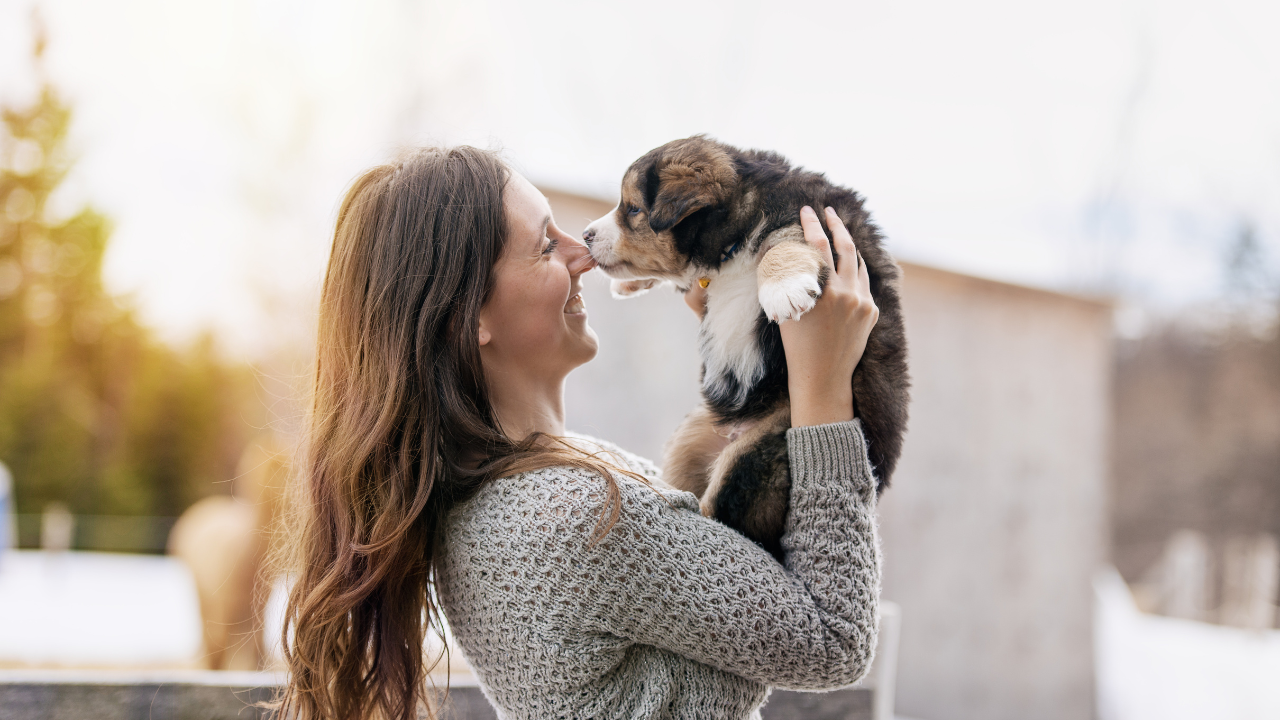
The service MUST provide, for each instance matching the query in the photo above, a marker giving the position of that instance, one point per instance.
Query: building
(996, 520)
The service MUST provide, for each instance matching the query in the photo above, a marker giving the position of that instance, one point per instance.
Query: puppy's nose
(588, 236)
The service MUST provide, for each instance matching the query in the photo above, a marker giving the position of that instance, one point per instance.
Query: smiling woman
(436, 283)
(533, 327)
(439, 480)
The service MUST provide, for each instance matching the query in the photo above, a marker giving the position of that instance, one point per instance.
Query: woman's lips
(575, 305)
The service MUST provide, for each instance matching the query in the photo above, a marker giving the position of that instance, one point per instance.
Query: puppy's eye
(633, 211)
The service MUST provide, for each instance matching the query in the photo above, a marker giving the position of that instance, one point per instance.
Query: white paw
(630, 288)
(790, 297)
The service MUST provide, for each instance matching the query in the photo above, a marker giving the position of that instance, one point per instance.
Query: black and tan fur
(697, 208)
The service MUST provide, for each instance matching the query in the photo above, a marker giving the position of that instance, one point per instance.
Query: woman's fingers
(814, 235)
(864, 277)
(843, 241)
(868, 302)
(852, 270)
(696, 298)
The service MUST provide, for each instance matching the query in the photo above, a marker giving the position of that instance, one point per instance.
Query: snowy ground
(96, 609)
(1158, 668)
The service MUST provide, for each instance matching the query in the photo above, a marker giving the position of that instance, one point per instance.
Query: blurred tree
(94, 411)
(1246, 275)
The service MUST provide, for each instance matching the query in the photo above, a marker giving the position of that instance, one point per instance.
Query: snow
(82, 608)
(1159, 668)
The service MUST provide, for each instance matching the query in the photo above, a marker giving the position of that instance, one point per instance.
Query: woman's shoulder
(566, 495)
(611, 452)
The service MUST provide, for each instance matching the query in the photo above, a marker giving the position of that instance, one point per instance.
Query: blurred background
(1085, 198)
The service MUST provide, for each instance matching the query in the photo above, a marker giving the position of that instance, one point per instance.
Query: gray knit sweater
(671, 615)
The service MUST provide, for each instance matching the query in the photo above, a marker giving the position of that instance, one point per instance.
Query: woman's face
(535, 324)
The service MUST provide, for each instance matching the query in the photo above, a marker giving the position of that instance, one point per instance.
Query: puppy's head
(669, 197)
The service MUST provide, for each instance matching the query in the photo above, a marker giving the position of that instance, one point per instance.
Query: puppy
(699, 211)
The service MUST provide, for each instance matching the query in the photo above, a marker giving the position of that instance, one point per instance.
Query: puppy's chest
(729, 339)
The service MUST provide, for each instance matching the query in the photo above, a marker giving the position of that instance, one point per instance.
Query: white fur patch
(607, 233)
(790, 297)
(727, 337)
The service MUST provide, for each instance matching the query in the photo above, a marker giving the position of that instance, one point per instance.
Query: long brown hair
(401, 429)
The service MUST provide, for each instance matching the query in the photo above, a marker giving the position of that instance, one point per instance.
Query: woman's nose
(577, 257)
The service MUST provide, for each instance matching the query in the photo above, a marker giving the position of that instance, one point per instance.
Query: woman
(439, 481)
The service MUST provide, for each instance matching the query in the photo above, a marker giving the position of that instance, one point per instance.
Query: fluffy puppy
(699, 211)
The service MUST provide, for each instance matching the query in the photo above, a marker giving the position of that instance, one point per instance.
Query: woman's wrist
(821, 407)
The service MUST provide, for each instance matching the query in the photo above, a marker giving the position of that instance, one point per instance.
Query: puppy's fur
(697, 208)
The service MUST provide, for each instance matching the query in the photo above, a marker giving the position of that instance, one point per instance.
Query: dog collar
(728, 254)
(725, 257)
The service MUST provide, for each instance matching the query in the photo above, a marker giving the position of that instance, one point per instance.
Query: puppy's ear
(630, 288)
(690, 176)
(667, 212)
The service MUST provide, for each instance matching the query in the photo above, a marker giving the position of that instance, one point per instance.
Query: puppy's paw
(630, 288)
(789, 297)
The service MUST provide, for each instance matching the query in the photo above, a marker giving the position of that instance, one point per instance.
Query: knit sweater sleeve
(667, 576)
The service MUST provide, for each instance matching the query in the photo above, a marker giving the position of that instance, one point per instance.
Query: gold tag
(703, 282)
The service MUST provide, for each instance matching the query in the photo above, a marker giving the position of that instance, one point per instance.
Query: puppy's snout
(599, 237)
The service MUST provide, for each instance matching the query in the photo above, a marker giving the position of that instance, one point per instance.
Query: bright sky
(1074, 145)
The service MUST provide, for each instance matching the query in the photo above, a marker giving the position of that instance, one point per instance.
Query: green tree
(94, 411)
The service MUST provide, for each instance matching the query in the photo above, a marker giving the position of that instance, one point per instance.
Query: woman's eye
(552, 243)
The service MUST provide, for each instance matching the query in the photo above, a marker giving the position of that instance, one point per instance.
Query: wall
(996, 518)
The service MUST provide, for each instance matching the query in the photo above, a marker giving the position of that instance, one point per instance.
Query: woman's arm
(669, 577)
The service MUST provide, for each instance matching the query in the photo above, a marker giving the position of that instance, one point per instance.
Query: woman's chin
(588, 346)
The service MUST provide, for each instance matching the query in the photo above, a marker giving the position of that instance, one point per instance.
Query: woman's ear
(483, 336)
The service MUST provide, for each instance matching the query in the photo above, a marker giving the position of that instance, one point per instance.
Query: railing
(172, 695)
(210, 695)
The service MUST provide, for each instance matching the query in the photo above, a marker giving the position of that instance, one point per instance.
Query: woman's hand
(696, 298)
(824, 346)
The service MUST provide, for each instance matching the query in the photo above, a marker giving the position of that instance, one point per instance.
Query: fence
(103, 533)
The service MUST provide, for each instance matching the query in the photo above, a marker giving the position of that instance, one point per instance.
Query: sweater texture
(672, 614)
